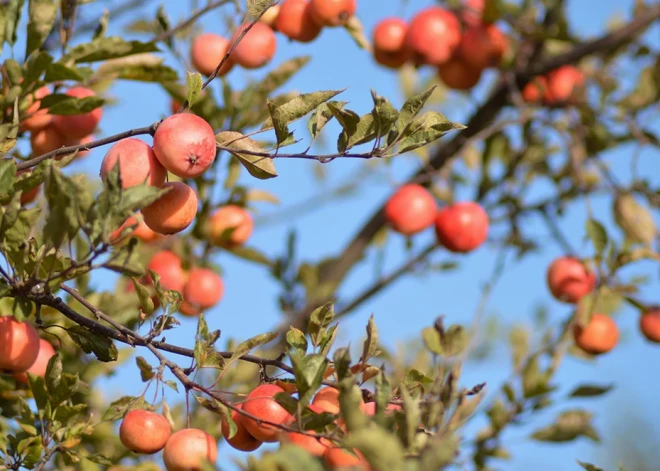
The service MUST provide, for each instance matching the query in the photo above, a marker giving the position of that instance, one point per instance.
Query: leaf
(431, 339)
(105, 48)
(146, 303)
(597, 234)
(425, 129)
(278, 123)
(568, 426)
(589, 467)
(319, 320)
(297, 340)
(56, 72)
(256, 7)
(321, 116)
(118, 408)
(454, 341)
(255, 194)
(7, 173)
(370, 346)
(382, 449)
(41, 18)
(299, 106)
(140, 67)
(62, 104)
(408, 112)
(146, 371)
(349, 121)
(309, 371)
(90, 342)
(245, 347)
(591, 390)
(194, 85)
(441, 451)
(259, 166)
(10, 16)
(356, 30)
(635, 220)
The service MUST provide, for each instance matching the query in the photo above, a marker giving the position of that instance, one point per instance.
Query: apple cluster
(460, 45)
(258, 419)
(459, 227)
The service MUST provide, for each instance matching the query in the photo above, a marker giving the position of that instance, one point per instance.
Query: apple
(137, 163)
(19, 345)
(230, 226)
(257, 48)
(599, 336)
(188, 449)
(203, 289)
(79, 125)
(457, 74)
(168, 266)
(569, 280)
(294, 21)
(411, 209)
(389, 42)
(332, 12)
(434, 34)
(242, 440)
(461, 227)
(46, 351)
(206, 53)
(144, 432)
(260, 404)
(174, 211)
(649, 324)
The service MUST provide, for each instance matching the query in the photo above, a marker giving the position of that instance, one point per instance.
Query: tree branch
(125, 335)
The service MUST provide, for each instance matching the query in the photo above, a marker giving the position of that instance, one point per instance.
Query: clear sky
(250, 303)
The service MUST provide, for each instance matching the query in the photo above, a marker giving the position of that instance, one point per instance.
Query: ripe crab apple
(174, 211)
(599, 336)
(458, 74)
(188, 449)
(562, 82)
(137, 163)
(294, 21)
(230, 226)
(569, 280)
(257, 48)
(38, 118)
(204, 288)
(370, 408)
(184, 144)
(168, 266)
(461, 227)
(19, 345)
(270, 16)
(472, 12)
(46, 351)
(327, 400)
(47, 140)
(389, 42)
(339, 458)
(483, 46)
(332, 12)
(141, 231)
(649, 324)
(79, 125)
(433, 36)
(144, 432)
(242, 440)
(411, 209)
(206, 52)
(536, 90)
(313, 445)
(260, 404)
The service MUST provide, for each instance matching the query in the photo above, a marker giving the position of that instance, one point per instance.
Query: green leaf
(278, 122)
(258, 166)
(62, 104)
(142, 68)
(349, 121)
(382, 449)
(591, 390)
(194, 86)
(297, 340)
(245, 347)
(63, 219)
(408, 112)
(425, 129)
(321, 116)
(56, 72)
(35, 65)
(10, 16)
(106, 48)
(299, 106)
(431, 339)
(568, 426)
(39, 391)
(7, 173)
(146, 371)
(41, 18)
(102, 347)
(118, 408)
(146, 303)
(256, 7)
(597, 234)
(128, 261)
(370, 346)
(54, 373)
(309, 371)
(454, 340)
(319, 320)
(440, 452)
(589, 466)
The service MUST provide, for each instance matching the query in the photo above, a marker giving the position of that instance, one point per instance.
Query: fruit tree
(326, 234)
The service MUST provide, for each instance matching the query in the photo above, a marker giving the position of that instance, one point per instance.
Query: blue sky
(250, 307)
